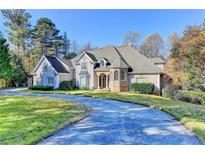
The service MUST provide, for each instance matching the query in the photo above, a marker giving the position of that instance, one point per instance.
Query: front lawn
(192, 115)
(26, 120)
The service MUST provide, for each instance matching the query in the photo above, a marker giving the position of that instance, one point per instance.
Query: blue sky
(103, 27)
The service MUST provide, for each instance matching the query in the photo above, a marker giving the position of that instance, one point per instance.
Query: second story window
(115, 75)
(83, 66)
(45, 67)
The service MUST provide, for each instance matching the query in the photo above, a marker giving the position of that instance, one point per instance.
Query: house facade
(109, 68)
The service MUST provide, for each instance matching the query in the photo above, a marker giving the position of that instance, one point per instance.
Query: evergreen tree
(19, 75)
(71, 55)
(18, 24)
(5, 67)
(46, 38)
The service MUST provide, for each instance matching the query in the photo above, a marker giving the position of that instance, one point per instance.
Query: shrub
(143, 88)
(68, 85)
(170, 91)
(39, 87)
(194, 87)
(191, 96)
(84, 88)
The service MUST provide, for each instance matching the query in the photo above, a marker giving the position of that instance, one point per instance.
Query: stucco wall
(161, 66)
(90, 69)
(40, 76)
(66, 76)
(156, 79)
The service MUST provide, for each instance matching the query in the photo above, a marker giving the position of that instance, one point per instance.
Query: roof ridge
(120, 55)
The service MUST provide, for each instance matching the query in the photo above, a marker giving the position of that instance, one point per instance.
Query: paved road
(116, 122)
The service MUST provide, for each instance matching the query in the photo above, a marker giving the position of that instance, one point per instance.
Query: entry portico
(103, 80)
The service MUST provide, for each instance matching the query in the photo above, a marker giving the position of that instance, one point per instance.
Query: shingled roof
(139, 63)
(111, 55)
(56, 64)
(128, 56)
(67, 62)
(91, 56)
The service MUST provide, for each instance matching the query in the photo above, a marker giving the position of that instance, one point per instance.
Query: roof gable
(56, 64)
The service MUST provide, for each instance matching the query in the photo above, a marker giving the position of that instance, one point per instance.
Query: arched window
(123, 74)
(116, 75)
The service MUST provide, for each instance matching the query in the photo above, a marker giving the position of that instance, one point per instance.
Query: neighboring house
(108, 68)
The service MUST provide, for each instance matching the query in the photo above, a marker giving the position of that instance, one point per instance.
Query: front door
(102, 81)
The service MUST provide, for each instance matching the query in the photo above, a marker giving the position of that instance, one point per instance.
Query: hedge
(68, 85)
(143, 88)
(39, 87)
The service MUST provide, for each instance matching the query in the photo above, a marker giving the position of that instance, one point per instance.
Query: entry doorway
(102, 81)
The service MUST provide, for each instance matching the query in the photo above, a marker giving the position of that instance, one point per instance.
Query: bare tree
(86, 46)
(66, 44)
(131, 38)
(152, 46)
(74, 46)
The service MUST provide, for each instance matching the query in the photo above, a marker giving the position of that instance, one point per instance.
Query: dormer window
(102, 63)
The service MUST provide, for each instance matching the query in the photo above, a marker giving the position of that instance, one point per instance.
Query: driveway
(116, 122)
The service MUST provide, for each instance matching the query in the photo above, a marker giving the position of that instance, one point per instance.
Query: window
(45, 67)
(102, 63)
(123, 74)
(50, 81)
(83, 66)
(115, 75)
(141, 80)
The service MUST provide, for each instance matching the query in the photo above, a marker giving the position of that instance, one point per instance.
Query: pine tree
(19, 74)
(46, 38)
(5, 67)
(18, 24)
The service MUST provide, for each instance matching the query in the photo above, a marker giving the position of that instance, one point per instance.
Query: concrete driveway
(116, 122)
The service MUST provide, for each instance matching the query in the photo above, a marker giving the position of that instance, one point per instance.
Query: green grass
(192, 115)
(26, 120)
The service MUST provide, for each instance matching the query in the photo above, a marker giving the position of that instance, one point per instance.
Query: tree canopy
(187, 56)
(46, 37)
(131, 38)
(5, 67)
(152, 46)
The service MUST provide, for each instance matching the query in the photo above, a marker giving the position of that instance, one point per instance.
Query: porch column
(107, 81)
(98, 81)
